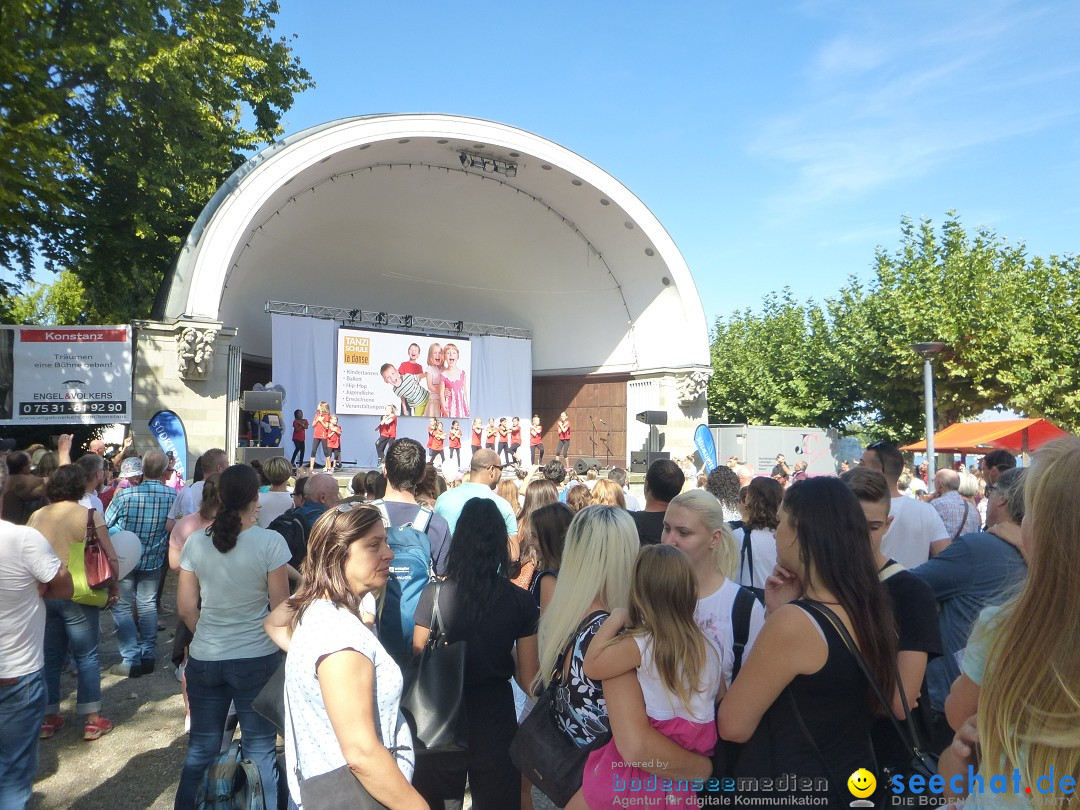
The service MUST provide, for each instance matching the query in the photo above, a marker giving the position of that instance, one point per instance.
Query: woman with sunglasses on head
(342, 688)
(236, 569)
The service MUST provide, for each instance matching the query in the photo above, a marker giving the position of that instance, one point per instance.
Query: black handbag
(542, 752)
(432, 701)
(922, 763)
(270, 702)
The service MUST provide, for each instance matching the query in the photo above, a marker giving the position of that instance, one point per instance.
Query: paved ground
(138, 764)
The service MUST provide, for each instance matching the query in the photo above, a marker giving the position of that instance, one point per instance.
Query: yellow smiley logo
(861, 783)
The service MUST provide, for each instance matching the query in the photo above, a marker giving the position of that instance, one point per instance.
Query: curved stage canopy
(440, 216)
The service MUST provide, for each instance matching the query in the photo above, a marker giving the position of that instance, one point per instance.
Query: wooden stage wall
(587, 400)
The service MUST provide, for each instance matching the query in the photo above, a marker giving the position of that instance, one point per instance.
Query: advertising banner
(703, 440)
(419, 376)
(65, 375)
(168, 429)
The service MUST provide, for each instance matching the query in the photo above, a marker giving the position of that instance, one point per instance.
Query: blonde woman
(608, 493)
(597, 563)
(1029, 705)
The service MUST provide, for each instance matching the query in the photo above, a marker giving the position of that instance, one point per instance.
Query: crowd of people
(727, 627)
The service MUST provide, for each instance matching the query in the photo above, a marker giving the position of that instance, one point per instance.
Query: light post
(927, 351)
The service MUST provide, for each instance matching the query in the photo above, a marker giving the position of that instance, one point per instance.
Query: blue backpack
(410, 572)
(231, 783)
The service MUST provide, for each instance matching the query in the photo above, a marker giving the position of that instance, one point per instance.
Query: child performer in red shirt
(299, 436)
(333, 441)
(435, 440)
(387, 431)
(455, 441)
(536, 441)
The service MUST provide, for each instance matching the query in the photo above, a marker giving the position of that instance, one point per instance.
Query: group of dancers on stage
(439, 390)
(504, 438)
(326, 435)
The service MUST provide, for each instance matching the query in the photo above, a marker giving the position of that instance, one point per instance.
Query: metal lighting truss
(389, 321)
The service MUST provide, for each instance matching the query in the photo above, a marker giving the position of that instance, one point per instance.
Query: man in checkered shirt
(144, 510)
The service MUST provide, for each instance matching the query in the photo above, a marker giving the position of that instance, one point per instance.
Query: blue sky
(778, 142)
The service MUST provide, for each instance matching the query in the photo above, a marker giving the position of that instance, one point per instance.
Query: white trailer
(758, 446)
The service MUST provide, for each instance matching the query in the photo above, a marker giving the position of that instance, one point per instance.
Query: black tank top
(835, 706)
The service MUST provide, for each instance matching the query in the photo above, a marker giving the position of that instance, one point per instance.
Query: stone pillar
(182, 366)
(682, 394)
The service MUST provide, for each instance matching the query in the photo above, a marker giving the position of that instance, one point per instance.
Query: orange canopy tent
(1015, 435)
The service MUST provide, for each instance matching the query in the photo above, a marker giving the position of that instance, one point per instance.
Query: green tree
(62, 303)
(766, 367)
(118, 121)
(1010, 321)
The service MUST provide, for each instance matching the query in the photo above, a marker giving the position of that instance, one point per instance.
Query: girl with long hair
(677, 666)
(342, 689)
(578, 496)
(453, 388)
(229, 574)
(538, 492)
(504, 440)
(1024, 654)
(319, 432)
(515, 438)
(479, 606)
(563, 448)
(490, 433)
(547, 534)
(802, 699)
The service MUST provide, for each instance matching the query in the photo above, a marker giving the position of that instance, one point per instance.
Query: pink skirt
(611, 781)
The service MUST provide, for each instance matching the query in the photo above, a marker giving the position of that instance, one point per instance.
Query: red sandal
(50, 725)
(94, 731)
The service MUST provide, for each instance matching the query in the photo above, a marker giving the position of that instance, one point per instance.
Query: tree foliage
(1011, 323)
(62, 303)
(118, 121)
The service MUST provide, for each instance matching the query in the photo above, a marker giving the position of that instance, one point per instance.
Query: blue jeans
(211, 686)
(70, 623)
(22, 708)
(139, 587)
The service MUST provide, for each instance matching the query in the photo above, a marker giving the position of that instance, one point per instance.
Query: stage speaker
(652, 417)
(245, 455)
(261, 401)
(584, 464)
(658, 455)
(639, 461)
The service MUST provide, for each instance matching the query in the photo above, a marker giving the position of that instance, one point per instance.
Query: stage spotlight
(487, 163)
(408, 321)
(352, 315)
(466, 161)
(459, 326)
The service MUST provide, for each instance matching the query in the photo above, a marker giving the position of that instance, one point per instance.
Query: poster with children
(419, 376)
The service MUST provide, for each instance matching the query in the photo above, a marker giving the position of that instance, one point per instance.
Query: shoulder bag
(922, 763)
(99, 573)
(338, 789)
(432, 701)
(544, 755)
(80, 559)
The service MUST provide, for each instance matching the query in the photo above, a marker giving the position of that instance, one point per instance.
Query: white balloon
(128, 549)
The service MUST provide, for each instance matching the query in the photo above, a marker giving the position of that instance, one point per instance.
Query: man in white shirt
(29, 573)
(189, 499)
(917, 532)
